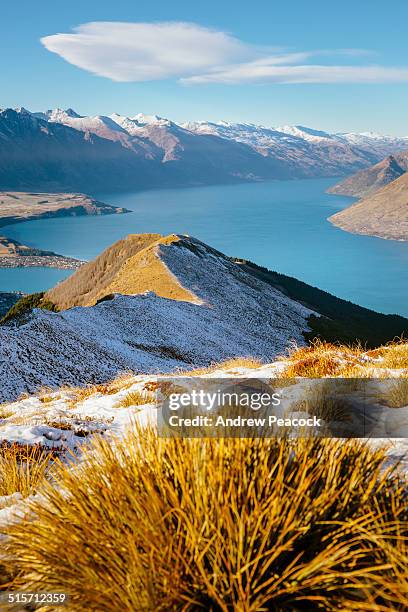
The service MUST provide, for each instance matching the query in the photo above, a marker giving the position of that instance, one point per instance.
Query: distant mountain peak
(71, 113)
(369, 180)
(59, 114)
(21, 110)
(150, 119)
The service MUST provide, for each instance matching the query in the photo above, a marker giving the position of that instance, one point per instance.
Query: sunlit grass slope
(155, 524)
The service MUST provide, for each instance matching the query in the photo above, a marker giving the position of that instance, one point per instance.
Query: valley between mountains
(91, 481)
(75, 153)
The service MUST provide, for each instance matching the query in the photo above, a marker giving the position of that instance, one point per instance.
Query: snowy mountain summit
(66, 150)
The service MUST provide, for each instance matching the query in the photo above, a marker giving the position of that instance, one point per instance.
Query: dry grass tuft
(133, 398)
(62, 424)
(276, 524)
(79, 394)
(46, 395)
(313, 366)
(395, 356)
(23, 468)
(5, 412)
(396, 395)
(321, 399)
(318, 360)
(322, 359)
(228, 364)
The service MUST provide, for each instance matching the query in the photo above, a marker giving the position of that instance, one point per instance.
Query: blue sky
(334, 66)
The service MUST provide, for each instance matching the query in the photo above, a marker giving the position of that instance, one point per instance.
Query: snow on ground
(238, 315)
(59, 420)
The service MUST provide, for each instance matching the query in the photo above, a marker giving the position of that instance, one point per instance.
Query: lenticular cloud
(195, 55)
(146, 51)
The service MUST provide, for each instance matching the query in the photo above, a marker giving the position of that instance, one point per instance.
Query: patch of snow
(235, 315)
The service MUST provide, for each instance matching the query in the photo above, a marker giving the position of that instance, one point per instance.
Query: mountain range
(62, 150)
(153, 303)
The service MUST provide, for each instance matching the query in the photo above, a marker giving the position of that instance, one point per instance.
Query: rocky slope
(369, 180)
(384, 213)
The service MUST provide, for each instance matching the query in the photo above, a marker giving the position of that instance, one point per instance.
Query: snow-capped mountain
(42, 155)
(309, 148)
(61, 149)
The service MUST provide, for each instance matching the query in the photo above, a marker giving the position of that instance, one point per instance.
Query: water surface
(281, 225)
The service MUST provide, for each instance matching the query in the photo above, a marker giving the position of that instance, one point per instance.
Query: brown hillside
(130, 266)
(367, 181)
(383, 214)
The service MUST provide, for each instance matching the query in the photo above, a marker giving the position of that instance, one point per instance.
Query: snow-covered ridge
(372, 144)
(235, 314)
(207, 152)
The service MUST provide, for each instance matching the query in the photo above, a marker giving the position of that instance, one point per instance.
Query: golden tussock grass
(46, 395)
(322, 359)
(322, 400)
(23, 468)
(133, 398)
(395, 355)
(247, 524)
(79, 394)
(319, 359)
(5, 411)
(228, 364)
(396, 395)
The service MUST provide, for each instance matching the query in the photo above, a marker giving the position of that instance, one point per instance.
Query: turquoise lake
(280, 225)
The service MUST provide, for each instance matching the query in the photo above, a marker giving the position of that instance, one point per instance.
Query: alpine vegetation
(154, 524)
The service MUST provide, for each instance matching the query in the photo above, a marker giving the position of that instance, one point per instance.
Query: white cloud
(197, 55)
(146, 51)
(264, 72)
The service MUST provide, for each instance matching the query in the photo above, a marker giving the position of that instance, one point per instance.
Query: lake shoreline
(281, 225)
(30, 206)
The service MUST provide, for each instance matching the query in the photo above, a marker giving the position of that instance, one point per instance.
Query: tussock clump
(23, 468)
(156, 524)
(133, 398)
(319, 359)
(48, 395)
(396, 395)
(322, 359)
(229, 364)
(5, 411)
(395, 355)
(322, 399)
(314, 366)
(79, 394)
